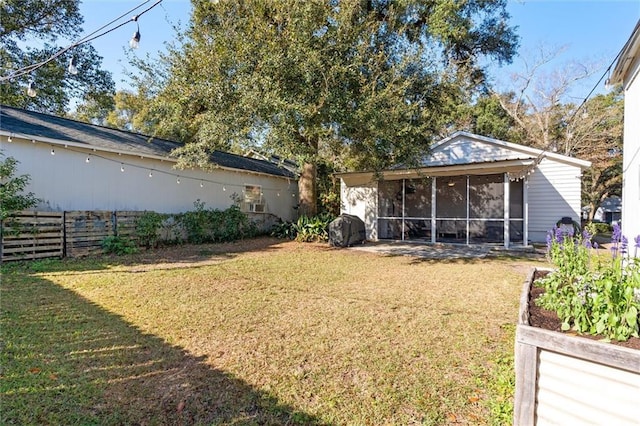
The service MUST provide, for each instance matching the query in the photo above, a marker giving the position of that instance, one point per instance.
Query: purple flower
(559, 235)
(637, 241)
(596, 245)
(623, 245)
(614, 250)
(617, 234)
(549, 239)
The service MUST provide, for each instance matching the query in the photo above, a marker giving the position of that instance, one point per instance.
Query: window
(253, 201)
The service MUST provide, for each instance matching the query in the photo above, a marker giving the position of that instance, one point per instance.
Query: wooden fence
(33, 235)
(29, 235)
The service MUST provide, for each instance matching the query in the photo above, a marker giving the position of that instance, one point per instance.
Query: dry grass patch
(297, 333)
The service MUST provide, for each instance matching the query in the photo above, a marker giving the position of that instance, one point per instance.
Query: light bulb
(31, 90)
(88, 160)
(201, 184)
(151, 174)
(607, 84)
(178, 180)
(135, 40)
(122, 168)
(9, 139)
(224, 188)
(73, 69)
(53, 151)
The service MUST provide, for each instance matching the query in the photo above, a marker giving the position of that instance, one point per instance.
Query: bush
(600, 228)
(308, 229)
(283, 230)
(211, 225)
(148, 227)
(591, 295)
(119, 245)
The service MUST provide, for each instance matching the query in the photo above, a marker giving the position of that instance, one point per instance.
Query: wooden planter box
(570, 380)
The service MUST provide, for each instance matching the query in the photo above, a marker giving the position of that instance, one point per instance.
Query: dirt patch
(549, 320)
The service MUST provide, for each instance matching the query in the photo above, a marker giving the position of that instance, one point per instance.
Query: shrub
(211, 225)
(283, 230)
(118, 245)
(600, 228)
(308, 229)
(589, 294)
(148, 227)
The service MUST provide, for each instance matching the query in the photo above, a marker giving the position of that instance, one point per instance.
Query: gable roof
(468, 148)
(57, 130)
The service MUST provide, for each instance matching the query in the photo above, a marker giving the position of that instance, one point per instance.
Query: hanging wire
(88, 38)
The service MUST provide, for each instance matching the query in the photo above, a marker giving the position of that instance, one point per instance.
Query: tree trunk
(307, 190)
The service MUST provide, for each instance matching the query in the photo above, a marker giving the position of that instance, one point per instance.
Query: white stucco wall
(361, 201)
(65, 181)
(631, 155)
(553, 192)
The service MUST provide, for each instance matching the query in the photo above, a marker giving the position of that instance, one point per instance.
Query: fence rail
(33, 235)
(29, 235)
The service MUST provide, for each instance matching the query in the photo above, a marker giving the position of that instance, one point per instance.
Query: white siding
(361, 201)
(554, 192)
(462, 150)
(576, 392)
(65, 181)
(631, 156)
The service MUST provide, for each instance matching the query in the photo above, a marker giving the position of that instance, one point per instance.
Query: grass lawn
(281, 333)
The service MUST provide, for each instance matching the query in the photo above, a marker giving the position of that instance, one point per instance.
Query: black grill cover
(346, 230)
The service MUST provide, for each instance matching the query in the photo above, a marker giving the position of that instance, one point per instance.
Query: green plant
(12, 196)
(115, 244)
(600, 228)
(308, 229)
(283, 230)
(591, 296)
(212, 225)
(147, 228)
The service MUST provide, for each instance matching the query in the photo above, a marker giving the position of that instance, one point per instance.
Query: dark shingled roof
(34, 124)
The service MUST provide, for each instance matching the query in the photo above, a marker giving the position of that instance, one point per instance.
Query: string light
(31, 90)
(92, 36)
(123, 165)
(135, 39)
(73, 68)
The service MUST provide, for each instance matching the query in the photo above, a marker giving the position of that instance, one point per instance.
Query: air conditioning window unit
(256, 208)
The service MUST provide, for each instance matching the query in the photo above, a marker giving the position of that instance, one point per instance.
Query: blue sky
(591, 31)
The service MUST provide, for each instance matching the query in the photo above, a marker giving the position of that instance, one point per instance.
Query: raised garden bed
(565, 378)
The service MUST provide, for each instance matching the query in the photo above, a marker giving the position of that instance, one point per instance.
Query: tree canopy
(366, 84)
(32, 31)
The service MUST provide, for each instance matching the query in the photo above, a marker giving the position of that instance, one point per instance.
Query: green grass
(292, 334)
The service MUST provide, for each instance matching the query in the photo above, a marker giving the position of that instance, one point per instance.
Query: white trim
(511, 146)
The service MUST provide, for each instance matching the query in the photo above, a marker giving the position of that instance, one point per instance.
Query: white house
(80, 166)
(470, 189)
(627, 72)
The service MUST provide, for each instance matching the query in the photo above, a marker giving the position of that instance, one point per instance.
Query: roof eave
(627, 55)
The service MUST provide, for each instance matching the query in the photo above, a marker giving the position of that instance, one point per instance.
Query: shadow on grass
(66, 360)
(167, 257)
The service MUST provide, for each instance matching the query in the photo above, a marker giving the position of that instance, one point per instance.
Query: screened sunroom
(452, 209)
(469, 190)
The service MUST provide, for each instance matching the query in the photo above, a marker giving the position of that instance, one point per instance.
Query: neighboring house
(470, 189)
(610, 211)
(627, 72)
(80, 166)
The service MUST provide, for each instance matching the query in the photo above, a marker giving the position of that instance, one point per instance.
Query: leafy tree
(32, 31)
(486, 116)
(590, 131)
(368, 83)
(12, 196)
